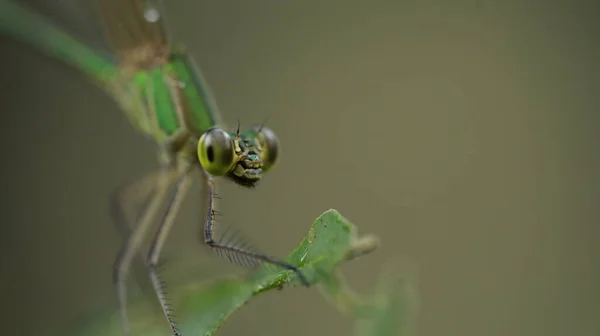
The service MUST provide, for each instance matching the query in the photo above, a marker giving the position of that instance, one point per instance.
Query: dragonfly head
(242, 157)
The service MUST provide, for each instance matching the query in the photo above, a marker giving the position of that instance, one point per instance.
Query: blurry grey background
(462, 133)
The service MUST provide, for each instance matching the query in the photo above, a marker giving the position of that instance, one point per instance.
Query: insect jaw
(247, 171)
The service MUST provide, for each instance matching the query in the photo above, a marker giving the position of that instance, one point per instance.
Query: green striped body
(168, 100)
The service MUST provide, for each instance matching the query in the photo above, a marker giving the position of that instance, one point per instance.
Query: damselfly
(166, 98)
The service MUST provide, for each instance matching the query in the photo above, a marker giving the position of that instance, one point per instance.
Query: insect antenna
(263, 124)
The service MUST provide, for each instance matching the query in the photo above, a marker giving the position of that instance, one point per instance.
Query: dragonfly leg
(156, 184)
(117, 213)
(231, 250)
(157, 243)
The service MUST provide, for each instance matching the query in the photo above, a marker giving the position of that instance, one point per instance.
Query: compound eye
(269, 146)
(216, 152)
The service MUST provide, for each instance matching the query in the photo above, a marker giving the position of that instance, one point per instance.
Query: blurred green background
(463, 133)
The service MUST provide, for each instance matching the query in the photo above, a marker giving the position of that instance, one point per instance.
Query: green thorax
(168, 99)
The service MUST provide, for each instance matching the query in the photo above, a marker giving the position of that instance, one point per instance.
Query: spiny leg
(159, 183)
(239, 254)
(158, 242)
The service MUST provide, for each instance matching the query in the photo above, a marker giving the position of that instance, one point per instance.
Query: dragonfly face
(242, 157)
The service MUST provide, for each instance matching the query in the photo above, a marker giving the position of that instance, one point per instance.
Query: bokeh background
(463, 133)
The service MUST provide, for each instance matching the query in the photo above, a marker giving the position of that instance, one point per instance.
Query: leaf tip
(330, 211)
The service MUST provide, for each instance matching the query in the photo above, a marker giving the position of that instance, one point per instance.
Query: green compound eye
(270, 146)
(216, 152)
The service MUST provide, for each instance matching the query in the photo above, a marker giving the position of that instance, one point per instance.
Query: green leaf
(202, 308)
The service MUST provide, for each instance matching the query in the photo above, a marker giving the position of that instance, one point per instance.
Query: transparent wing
(135, 30)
